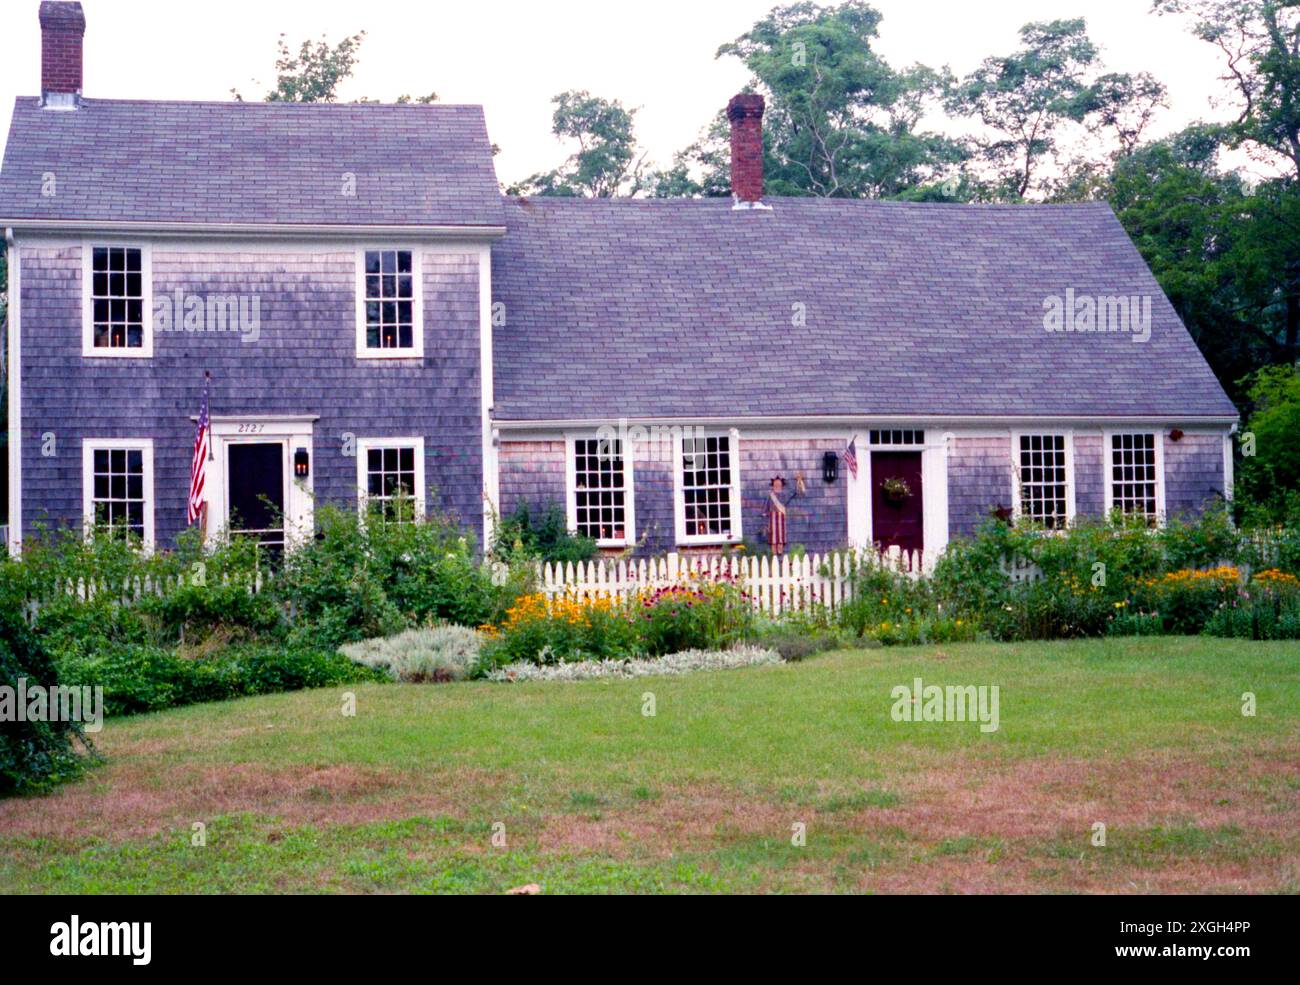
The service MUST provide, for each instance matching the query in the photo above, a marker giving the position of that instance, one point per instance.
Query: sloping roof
(682, 308)
(251, 163)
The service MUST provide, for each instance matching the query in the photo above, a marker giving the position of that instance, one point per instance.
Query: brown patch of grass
(126, 800)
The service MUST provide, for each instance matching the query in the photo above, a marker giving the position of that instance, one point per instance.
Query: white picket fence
(773, 584)
(124, 593)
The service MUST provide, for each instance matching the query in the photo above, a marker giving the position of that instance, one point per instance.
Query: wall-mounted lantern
(830, 466)
(301, 464)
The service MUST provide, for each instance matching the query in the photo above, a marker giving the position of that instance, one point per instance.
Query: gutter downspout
(15, 402)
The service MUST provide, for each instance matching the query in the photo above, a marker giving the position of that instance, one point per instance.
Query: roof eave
(282, 230)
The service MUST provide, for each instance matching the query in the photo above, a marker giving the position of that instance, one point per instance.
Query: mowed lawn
(483, 787)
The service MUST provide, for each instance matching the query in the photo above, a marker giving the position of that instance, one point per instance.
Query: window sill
(122, 353)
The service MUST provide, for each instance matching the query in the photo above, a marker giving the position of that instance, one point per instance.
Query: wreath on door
(896, 490)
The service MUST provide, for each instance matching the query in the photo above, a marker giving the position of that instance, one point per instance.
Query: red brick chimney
(745, 112)
(62, 27)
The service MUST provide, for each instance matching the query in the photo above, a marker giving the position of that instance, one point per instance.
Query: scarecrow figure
(776, 512)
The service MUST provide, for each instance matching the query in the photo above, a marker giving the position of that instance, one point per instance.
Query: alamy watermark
(1105, 313)
(183, 312)
(951, 703)
(657, 442)
(60, 703)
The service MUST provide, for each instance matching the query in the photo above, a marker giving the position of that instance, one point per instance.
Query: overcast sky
(511, 57)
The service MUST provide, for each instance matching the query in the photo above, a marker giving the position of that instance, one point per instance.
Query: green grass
(592, 796)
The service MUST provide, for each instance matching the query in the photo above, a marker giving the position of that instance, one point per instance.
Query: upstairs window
(1136, 486)
(1043, 479)
(389, 321)
(116, 301)
(708, 494)
(600, 491)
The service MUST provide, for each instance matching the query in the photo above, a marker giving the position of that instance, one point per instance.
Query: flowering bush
(535, 629)
(1268, 608)
(1185, 599)
(699, 613)
(703, 613)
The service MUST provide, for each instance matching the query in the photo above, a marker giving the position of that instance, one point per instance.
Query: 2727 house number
(250, 429)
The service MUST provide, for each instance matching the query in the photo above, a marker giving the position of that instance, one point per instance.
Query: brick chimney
(745, 112)
(63, 26)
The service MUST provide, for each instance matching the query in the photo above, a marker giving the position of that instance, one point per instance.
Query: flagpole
(207, 402)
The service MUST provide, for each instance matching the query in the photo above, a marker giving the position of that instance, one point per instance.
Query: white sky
(513, 56)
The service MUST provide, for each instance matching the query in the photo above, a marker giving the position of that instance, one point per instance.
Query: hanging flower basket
(896, 490)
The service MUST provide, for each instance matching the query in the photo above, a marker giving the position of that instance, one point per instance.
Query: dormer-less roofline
(190, 230)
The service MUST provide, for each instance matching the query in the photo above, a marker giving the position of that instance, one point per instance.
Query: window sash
(388, 303)
(117, 478)
(1134, 473)
(600, 505)
(707, 486)
(391, 479)
(1044, 479)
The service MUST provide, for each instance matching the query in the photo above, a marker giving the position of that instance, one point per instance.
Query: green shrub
(138, 678)
(543, 536)
(34, 756)
(430, 653)
(192, 614)
(799, 644)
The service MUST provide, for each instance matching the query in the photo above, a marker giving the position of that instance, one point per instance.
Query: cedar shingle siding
(304, 362)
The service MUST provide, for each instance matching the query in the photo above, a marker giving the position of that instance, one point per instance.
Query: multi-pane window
(897, 436)
(117, 499)
(391, 488)
(389, 300)
(117, 297)
(1043, 479)
(600, 500)
(708, 490)
(1134, 485)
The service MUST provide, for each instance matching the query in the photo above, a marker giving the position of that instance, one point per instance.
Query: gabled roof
(688, 308)
(251, 163)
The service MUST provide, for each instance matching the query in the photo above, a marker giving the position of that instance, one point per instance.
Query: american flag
(199, 464)
(851, 456)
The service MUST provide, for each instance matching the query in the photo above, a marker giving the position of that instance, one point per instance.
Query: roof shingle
(688, 308)
(251, 163)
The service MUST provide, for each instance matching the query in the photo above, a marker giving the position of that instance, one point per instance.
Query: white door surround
(292, 433)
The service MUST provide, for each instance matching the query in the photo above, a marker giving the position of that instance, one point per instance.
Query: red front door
(897, 519)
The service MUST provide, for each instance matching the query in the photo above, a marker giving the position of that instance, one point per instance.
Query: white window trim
(571, 491)
(417, 304)
(364, 445)
(1068, 435)
(1108, 464)
(88, 448)
(679, 492)
(88, 348)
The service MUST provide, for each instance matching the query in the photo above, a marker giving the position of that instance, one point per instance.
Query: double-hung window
(390, 478)
(1135, 484)
(116, 301)
(600, 491)
(117, 487)
(1043, 489)
(389, 322)
(708, 489)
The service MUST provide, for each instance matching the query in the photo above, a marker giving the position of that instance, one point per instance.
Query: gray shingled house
(376, 317)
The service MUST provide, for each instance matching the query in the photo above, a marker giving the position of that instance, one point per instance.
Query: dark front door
(256, 478)
(896, 517)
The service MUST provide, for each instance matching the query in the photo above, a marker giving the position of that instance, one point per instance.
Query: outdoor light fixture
(301, 463)
(1176, 434)
(830, 466)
